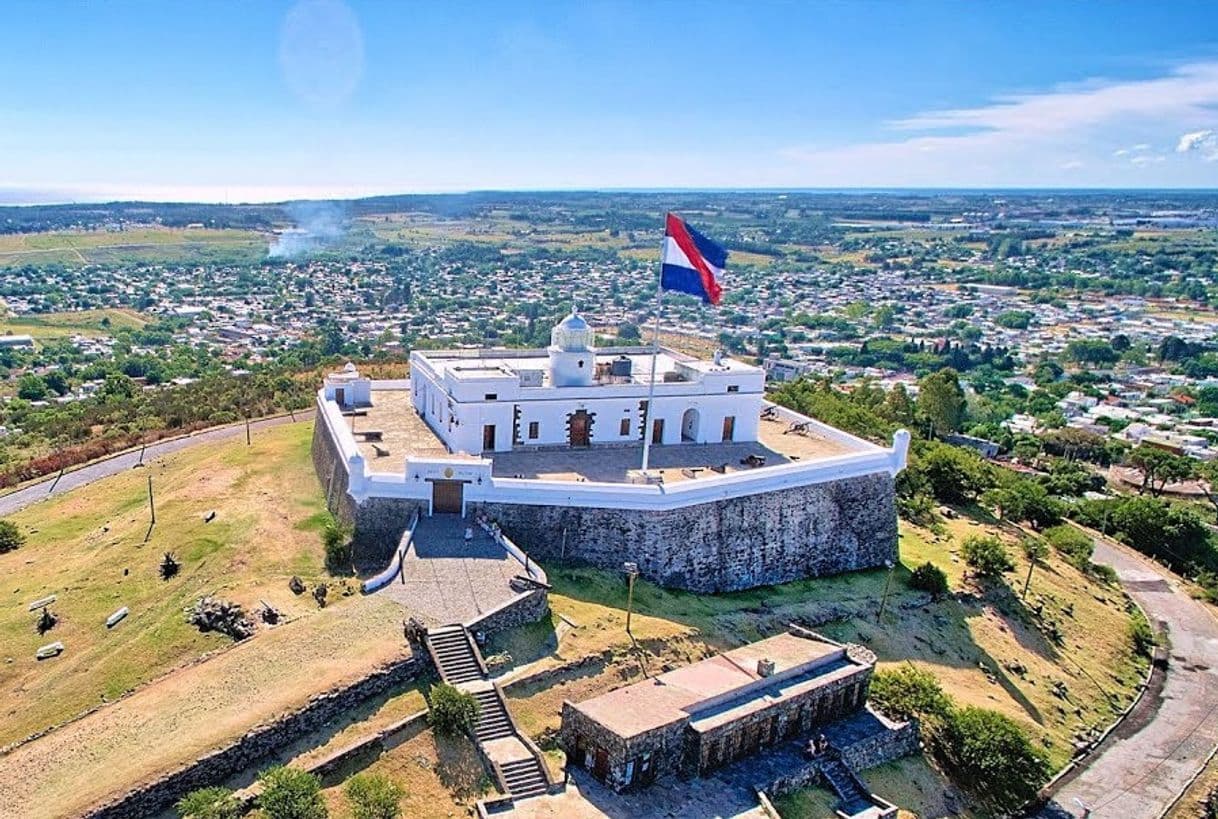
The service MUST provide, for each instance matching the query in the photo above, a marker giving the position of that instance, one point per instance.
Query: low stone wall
(732, 544)
(256, 744)
(898, 739)
(524, 608)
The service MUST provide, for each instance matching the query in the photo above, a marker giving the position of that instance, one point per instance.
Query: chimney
(765, 667)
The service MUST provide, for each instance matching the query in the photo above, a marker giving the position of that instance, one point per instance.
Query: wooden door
(446, 496)
(488, 438)
(580, 429)
(657, 431)
(340, 397)
(600, 768)
(729, 428)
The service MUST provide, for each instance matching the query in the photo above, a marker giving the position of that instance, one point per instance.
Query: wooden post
(887, 584)
(151, 502)
(247, 430)
(1028, 582)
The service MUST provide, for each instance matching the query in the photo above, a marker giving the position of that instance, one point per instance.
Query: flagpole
(655, 352)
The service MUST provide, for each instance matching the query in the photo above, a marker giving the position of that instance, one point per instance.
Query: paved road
(1139, 776)
(33, 493)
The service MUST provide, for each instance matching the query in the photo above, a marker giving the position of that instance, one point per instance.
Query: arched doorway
(579, 428)
(690, 424)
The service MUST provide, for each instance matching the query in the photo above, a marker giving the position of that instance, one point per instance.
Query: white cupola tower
(572, 354)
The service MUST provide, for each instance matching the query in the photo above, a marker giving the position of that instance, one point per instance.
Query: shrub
(929, 578)
(1075, 546)
(373, 796)
(336, 538)
(987, 556)
(10, 536)
(209, 803)
(290, 793)
(993, 756)
(450, 710)
(907, 692)
(1142, 635)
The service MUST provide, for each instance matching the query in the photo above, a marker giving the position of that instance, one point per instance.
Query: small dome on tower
(572, 334)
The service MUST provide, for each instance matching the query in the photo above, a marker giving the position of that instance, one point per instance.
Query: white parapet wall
(414, 482)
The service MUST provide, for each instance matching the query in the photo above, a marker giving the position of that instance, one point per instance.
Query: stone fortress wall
(721, 533)
(736, 543)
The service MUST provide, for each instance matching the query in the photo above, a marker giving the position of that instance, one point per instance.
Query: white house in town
(571, 394)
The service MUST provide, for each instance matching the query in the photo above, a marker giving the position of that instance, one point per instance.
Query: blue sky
(251, 101)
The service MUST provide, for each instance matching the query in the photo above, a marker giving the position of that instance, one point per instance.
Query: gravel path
(1139, 776)
(21, 498)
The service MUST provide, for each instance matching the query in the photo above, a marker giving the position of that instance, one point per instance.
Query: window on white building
(534, 429)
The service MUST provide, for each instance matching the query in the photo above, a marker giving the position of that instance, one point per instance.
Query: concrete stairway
(455, 656)
(515, 759)
(524, 778)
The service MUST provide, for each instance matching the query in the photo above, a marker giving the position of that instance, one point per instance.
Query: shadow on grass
(459, 766)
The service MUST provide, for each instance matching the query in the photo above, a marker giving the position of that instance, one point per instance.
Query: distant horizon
(842, 190)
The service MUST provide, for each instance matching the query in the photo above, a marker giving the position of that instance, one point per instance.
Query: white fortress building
(548, 443)
(570, 396)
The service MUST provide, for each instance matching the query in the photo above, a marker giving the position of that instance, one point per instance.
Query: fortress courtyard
(402, 432)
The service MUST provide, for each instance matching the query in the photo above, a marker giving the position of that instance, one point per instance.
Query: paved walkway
(447, 579)
(21, 498)
(1139, 776)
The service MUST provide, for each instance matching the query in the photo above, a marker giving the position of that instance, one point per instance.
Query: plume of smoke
(318, 225)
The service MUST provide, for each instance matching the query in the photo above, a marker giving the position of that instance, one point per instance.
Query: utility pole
(151, 503)
(247, 430)
(887, 584)
(1028, 582)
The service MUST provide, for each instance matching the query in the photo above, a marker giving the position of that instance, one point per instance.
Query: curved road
(1139, 776)
(32, 493)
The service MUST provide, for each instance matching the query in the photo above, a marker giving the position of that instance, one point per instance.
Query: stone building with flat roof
(708, 714)
(548, 443)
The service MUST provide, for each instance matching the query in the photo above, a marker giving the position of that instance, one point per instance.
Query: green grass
(132, 245)
(78, 322)
(88, 548)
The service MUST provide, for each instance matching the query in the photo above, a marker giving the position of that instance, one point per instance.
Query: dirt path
(195, 709)
(21, 498)
(1140, 774)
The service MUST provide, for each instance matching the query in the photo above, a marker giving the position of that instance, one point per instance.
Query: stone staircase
(854, 798)
(524, 778)
(456, 658)
(493, 721)
(516, 761)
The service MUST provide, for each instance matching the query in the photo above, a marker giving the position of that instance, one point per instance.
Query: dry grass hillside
(88, 548)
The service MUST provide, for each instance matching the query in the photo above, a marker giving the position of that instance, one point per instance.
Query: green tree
(954, 474)
(31, 387)
(908, 691)
(209, 803)
(11, 538)
(1024, 500)
(898, 407)
(451, 711)
(994, 755)
(1159, 467)
(374, 796)
(987, 555)
(941, 400)
(290, 793)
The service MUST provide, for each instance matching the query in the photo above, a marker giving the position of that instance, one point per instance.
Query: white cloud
(1201, 142)
(1030, 139)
